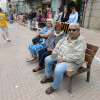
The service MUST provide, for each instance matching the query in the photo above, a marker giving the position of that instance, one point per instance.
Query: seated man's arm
(57, 45)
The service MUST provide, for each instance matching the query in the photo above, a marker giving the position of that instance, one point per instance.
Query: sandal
(45, 80)
(30, 59)
(49, 90)
(27, 59)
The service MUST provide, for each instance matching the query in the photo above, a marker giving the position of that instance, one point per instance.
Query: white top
(59, 16)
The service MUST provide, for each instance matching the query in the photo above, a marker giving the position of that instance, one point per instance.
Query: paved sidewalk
(18, 82)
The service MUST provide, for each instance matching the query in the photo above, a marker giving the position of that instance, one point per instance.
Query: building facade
(92, 16)
(3, 5)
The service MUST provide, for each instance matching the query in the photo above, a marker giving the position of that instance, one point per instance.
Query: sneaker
(8, 40)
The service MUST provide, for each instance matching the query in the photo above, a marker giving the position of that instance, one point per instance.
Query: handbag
(36, 40)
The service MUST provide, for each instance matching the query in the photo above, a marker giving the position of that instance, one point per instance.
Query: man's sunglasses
(72, 30)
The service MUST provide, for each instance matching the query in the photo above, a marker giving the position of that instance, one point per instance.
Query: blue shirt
(73, 17)
(44, 31)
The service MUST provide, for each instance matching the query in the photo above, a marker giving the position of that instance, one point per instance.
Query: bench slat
(88, 58)
(92, 47)
(79, 71)
(90, 52)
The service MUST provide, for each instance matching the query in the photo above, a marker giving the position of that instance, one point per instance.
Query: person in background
(15, 17)
(50, 44)
(31, 16)
(34, 25)
(73, 17)
(26, 18)
(69, 54)
(65, 15)
(39, 18)
(50, 14)
(47, 11)
(11, 18)
(3, 27)
(59, 15)
(34, 13)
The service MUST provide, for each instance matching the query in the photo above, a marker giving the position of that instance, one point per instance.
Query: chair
(89, 55)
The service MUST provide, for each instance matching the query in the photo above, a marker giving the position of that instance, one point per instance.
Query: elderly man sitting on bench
(69, 53)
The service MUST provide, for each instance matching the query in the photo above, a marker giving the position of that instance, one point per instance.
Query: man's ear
(79, 30)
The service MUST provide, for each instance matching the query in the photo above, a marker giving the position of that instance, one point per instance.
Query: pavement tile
(18, 82)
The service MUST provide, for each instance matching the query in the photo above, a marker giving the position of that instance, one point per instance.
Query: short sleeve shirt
(3, 23)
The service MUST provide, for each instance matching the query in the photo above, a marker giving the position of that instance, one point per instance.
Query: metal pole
(7, 7)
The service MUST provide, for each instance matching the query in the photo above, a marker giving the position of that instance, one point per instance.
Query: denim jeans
(31, 22)
(59, 71)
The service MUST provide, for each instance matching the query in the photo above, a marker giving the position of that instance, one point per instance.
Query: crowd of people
(64, 16)
(67, 50)
(38, 18)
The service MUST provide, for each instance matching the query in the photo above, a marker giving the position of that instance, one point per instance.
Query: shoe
(45, 80)
(8, 40)
(49, 90)
(34, 70)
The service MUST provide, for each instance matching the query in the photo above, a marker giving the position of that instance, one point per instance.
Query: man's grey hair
(75, 24)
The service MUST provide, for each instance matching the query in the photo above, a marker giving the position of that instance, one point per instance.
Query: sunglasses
(72, 30)
(58, 29)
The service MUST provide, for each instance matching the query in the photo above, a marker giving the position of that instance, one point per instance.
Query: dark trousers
(43, 53)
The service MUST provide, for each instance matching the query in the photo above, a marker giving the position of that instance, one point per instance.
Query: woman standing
(59, 15)
(65, 15)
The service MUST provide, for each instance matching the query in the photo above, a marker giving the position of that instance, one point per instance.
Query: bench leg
(88, 76)
(88, 73)
(70, 85)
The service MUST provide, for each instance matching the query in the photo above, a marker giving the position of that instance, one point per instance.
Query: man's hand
(60, 60)
(53, 55)
(49, 49)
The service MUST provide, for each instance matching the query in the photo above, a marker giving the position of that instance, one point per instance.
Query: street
(18, 82)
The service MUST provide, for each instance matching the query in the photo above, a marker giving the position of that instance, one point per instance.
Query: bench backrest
(90, 53)
(65, 27)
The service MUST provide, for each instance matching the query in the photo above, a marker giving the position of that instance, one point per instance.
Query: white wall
(3, 5)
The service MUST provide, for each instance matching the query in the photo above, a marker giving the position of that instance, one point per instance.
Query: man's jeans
(59, 71)
(31, 22)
